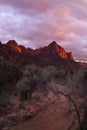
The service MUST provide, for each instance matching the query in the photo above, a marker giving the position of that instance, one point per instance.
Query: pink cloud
(36, 23)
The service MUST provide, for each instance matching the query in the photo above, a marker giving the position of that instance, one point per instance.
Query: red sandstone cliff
(53, 50)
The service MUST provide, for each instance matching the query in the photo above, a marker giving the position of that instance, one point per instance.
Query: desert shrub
(9, 75)
(48, 74)
(2, 125)
(30, 82)
(35, 79)
(40, 79)
(75, 77)
(4, 101)
(23, 94)
(26, 86)
(84, 122)
(61, 74)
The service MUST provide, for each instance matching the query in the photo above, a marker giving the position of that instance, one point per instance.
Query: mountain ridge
(53, 49)
(52, 54)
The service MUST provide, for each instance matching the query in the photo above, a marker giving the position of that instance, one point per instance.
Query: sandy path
(53, 118)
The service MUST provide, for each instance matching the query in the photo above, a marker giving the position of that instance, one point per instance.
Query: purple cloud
(37, 23)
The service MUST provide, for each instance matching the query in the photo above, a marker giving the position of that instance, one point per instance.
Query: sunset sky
(35, 23)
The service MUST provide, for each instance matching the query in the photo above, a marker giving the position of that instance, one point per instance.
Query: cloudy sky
(35, 23)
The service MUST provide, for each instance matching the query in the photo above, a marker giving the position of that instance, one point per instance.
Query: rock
(48, 55)
(53, 50)
(12, 44)
(70, 56)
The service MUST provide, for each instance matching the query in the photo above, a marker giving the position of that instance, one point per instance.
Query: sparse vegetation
(9, 75)
(43, 80)
(84, 122)
(4, 99)
(47, 78)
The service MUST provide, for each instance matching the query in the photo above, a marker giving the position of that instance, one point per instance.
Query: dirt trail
(53, 118)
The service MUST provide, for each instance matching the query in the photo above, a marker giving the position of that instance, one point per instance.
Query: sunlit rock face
(58, 50)
(53, 50)
(12, 44)
(53, 54)
(70, 56)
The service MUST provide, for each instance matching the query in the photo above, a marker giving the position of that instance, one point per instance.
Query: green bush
(23, 95)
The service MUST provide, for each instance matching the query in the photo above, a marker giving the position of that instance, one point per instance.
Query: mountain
(48, 55)
(53, 50)
(13, 45)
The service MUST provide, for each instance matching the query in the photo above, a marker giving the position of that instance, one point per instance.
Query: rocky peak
(52, 51)
(23, 49)
(52, 44)
(70, 56)
(57, 49)
(12, 44)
